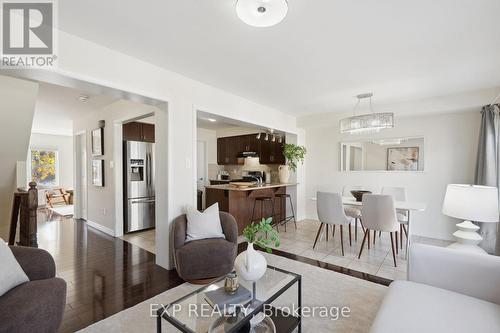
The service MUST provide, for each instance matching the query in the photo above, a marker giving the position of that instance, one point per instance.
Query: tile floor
(142, 239)
(377, 260)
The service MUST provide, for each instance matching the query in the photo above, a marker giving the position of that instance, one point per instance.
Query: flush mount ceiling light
(261, 13)
(212, 120)
(83, 98)
(370, 122)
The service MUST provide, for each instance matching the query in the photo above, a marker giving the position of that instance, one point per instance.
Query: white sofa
(446, 291)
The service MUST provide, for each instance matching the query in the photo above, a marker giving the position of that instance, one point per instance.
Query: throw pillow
(203, 225)
(11, 274)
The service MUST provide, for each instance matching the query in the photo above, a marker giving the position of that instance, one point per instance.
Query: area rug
(320, 288)
(63, 210)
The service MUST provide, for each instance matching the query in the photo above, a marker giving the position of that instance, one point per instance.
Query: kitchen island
(239, 202)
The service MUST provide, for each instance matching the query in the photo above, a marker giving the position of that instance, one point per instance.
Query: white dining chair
(399, 194)
(331, 212)
(353, 212)
(379, 214)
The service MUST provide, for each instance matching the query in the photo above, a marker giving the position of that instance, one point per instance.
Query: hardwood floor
(104, 275)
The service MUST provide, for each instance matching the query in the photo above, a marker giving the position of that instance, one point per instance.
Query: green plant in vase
(294, 154)
(262, 234)
(251, 265)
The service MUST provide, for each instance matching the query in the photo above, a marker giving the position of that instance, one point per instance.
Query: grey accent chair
(202, 261)
(37, 305)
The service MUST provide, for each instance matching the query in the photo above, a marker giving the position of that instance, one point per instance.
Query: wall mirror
(394, 154)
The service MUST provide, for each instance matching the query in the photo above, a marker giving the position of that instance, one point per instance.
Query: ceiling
(321, 55)
(56, 108)
(217, 122)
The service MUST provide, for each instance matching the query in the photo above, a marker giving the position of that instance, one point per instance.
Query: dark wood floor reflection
(105, 275)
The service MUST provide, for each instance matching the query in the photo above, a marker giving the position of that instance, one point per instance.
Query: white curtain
(488, 169)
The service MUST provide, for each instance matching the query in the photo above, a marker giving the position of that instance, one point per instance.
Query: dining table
(408, 206)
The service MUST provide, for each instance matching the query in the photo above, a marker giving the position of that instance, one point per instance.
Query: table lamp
(470, 203)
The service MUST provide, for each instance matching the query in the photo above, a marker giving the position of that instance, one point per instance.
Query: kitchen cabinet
(271, 152)
(136, 131)
(248, 143)
(221, 152)
(230, 148)
(278, 157)
(148, 132)
(132, 131)
(227, 150)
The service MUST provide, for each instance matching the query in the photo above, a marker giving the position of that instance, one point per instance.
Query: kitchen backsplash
(236, 171)
(213, 170)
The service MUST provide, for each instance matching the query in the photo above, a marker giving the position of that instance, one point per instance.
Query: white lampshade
(261, 13)
(471, 202)
(252, 164)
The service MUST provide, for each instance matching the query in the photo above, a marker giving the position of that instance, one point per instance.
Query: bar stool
(282, 202)
(262, 200)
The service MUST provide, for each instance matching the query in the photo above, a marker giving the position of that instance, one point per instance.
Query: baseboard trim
(102, 228)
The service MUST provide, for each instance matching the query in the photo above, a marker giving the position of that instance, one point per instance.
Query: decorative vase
(284, 173)
(250, 264)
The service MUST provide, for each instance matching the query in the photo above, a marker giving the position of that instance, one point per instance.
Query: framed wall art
(97, 142)
(403, 158)
(98, 173)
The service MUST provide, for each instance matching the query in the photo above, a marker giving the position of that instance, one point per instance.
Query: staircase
(17, 106)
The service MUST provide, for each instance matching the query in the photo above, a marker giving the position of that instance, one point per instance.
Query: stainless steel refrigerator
(139, 185)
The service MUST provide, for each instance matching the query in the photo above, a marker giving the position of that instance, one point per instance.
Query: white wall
(17, 105)
(450, 152)
(210, 137)
(64, 146)
(88, 61)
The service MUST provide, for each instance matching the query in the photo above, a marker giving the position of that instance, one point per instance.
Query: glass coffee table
(193, 314)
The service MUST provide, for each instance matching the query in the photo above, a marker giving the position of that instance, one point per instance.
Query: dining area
(367, 217)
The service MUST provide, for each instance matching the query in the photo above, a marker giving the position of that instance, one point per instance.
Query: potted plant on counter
(250, 264)
(293, 155)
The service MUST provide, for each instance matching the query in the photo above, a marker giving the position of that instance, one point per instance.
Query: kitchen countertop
(229, 187)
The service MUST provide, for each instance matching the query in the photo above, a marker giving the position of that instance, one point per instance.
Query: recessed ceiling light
(212, 120)
(83, 98)
(261, 13)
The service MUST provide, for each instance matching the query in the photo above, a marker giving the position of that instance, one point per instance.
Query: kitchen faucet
(258, 179)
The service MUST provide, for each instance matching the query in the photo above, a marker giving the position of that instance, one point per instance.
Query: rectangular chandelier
(370, 122)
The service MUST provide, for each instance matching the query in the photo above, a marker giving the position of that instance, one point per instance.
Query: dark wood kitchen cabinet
(136, 131)
(227, 150)
(248, 143)
(230, 148)
(271, 153)
(221, 151)
(148, 132)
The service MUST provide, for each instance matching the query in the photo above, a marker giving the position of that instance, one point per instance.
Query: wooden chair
(57, 196)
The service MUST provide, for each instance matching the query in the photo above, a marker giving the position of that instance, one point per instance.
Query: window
(44, 167)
